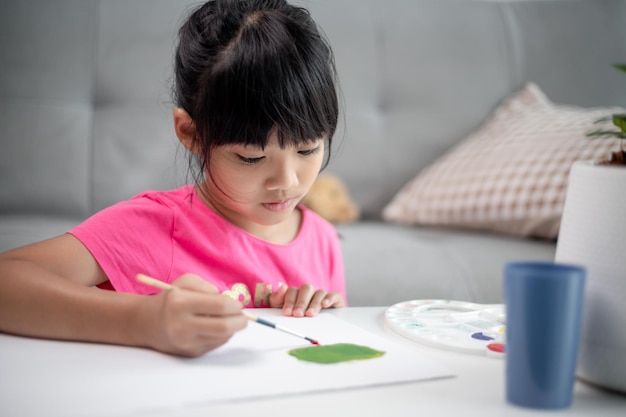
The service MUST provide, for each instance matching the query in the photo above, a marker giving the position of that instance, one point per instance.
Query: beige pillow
(509, 176)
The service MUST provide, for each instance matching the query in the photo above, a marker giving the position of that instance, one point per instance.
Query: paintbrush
(279, 327)
(165, 286)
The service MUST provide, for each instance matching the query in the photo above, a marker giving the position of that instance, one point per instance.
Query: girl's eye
(249, 161)
(308, 152)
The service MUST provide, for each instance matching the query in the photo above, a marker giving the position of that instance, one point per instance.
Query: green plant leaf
(604, 119)
(619, 120)
(621, 67)
(605, 133)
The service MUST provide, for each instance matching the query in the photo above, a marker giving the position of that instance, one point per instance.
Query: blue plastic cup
(544, 303)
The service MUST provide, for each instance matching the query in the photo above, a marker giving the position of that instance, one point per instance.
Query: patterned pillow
(509, 176)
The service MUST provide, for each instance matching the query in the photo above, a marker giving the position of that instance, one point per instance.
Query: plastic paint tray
(452, 325)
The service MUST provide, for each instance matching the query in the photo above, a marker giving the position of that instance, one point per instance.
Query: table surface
(477, 389)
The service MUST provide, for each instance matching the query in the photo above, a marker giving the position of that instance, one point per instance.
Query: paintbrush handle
(153, 282)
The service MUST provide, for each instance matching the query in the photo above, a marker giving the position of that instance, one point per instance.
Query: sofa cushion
(390, 263)
(46, 80)
(509, 176)
(22, 229)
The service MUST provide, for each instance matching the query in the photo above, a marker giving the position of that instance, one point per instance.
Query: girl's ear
(185, 129)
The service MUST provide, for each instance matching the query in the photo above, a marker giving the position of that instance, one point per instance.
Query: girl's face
(258, 189)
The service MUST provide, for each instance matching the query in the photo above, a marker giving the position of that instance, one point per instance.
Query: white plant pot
(593, 234)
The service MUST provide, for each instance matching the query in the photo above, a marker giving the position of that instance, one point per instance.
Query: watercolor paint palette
(452, 325)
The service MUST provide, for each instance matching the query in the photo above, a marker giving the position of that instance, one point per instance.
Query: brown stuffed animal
(329, 198)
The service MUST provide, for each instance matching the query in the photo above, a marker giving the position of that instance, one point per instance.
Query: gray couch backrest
(85, 107)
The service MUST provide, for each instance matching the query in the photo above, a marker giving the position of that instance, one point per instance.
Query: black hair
(245, 69)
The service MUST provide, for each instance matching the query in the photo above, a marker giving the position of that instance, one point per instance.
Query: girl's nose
(283, 177)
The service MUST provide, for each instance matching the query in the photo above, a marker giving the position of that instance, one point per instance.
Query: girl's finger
(305, 294)
(316, 303)
(333, 300)
(277, 299)
(202, 334)
(290, 300)
(190, 303)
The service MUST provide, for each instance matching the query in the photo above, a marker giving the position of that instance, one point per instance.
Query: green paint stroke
(340, 352)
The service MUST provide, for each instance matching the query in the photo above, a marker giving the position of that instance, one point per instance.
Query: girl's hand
(305, 301)
(190, 320)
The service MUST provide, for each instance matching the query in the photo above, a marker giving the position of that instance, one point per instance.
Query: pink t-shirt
(165, 234)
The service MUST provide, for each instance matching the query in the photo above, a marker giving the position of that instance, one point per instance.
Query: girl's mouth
(278, 206)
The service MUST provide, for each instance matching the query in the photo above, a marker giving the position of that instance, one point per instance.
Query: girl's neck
(282, 233)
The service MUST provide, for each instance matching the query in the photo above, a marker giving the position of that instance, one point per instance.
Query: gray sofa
(85, 115)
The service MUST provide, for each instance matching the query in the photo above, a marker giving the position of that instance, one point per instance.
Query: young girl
(257, 109)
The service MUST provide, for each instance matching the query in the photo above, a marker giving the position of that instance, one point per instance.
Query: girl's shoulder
(170, 198)
(145, 210)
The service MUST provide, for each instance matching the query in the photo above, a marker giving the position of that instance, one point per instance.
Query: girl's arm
(46, 290)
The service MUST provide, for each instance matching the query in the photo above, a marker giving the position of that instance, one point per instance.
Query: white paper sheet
(39, 377)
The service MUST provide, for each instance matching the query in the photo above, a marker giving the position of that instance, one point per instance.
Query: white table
(477, 390)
